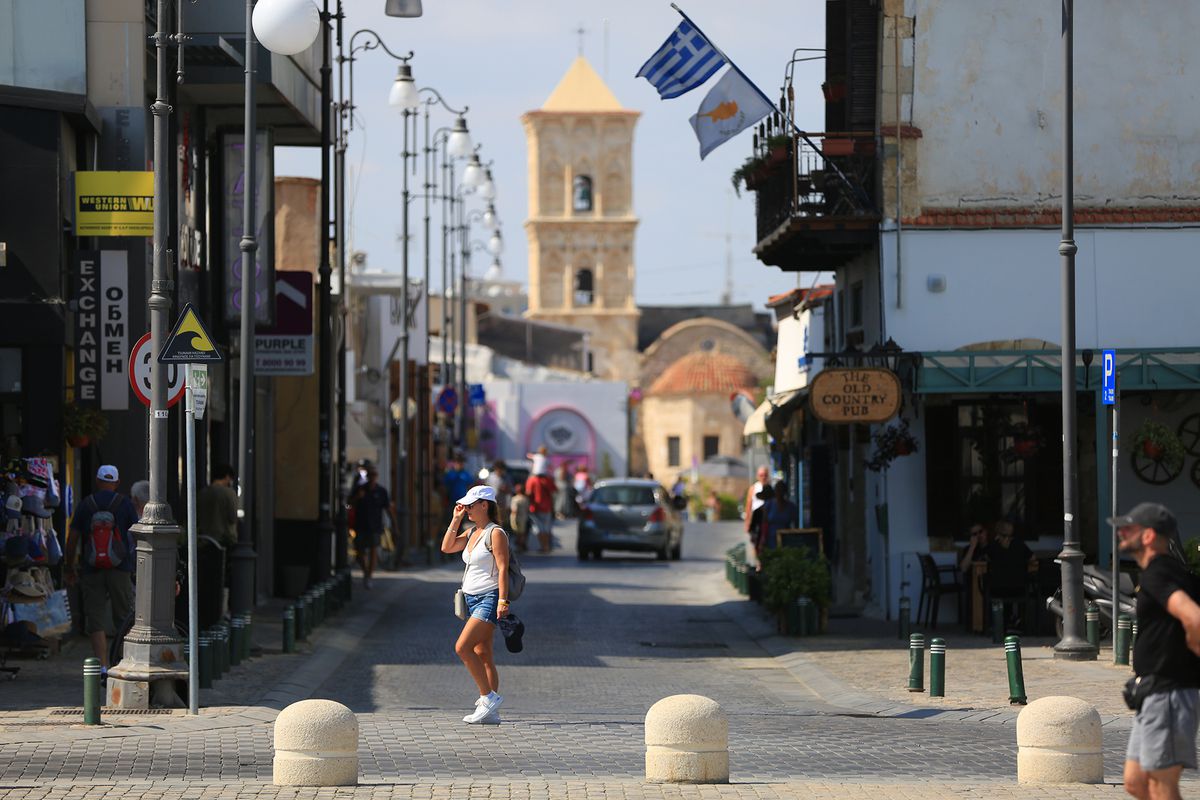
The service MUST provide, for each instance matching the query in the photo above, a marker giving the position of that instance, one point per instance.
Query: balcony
(815, 200)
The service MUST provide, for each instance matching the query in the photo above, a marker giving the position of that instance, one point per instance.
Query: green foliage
(1161, 438)
(789, 573)
(82, 421)
(728, 507)
(1191, 554)
(891, 441)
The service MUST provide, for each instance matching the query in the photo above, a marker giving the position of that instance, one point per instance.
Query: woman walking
(484, 546)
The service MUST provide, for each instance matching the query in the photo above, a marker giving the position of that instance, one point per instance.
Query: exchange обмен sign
(854, 395)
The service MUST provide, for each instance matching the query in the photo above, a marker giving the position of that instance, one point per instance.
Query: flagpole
(763, 95)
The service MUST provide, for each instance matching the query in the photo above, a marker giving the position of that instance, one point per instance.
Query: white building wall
(1134, 287)
(988, 98)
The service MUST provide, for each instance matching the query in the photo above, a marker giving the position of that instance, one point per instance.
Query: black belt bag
(1139, 687)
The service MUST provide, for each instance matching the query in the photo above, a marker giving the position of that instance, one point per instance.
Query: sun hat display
(12, 507)
(22, 582)
(32, 505)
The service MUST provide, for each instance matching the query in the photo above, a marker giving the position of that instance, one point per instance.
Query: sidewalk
(862, 665)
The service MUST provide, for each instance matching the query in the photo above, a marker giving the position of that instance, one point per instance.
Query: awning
(756, 425)
(784, 405)
(773, 414)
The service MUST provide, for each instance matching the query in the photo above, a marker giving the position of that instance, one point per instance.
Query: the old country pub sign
(867, 394)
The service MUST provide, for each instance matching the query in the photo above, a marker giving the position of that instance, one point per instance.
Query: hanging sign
(189, 342)
(865, 394)
(114, 203)
(140, 363)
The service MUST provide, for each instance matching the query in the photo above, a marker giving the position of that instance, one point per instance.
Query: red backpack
(105, 547)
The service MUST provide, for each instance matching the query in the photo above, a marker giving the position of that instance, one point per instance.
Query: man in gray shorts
(1166, 658)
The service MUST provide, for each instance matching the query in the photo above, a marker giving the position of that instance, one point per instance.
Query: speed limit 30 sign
(139, 374)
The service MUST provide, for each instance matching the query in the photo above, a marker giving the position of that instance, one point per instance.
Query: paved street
(604, 641)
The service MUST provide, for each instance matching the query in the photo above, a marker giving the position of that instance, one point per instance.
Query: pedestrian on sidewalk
(455, 480)
(518, 517)
(217, 507)
(100, 533)
(1166, 657)
(484, 548)
(370, 502)
(540, 489)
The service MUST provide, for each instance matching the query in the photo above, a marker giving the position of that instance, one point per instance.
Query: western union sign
(114, 203)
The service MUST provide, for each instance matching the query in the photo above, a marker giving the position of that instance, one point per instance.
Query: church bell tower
(581, 223)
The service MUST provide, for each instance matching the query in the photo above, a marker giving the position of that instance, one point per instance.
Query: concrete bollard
(687, 741)
(1059, 740)
(316, 744)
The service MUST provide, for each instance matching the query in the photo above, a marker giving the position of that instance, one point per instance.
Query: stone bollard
(316, 744)
(1059, 741)
(687, 741)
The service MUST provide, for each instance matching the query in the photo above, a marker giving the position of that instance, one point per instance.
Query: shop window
(581, 193)
(585, 292)
(672, 451)
(711, 446)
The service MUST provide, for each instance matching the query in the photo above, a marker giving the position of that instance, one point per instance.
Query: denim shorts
(1164, 731)
(483, 606)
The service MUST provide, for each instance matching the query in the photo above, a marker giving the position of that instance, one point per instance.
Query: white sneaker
(480, 716)
(491, 701)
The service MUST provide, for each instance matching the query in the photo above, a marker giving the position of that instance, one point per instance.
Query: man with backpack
(100, 556)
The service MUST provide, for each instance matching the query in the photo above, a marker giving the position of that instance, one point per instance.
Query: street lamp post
(1073, 646)
(151, 658)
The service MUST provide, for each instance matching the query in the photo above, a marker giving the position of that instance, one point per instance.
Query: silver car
(629, 514)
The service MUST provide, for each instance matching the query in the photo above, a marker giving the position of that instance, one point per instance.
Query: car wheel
(677, 551)
(582, 553)
(664, 553)
(596, 553)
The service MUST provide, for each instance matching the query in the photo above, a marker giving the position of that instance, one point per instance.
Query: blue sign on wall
(1108, 373)
(475, 395)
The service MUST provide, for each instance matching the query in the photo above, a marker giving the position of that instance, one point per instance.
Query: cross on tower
(580, 31)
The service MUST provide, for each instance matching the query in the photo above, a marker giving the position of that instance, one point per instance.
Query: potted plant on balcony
(834, 88)
(1159, 443)
(82, 425)
(891, 442)
(754, 169)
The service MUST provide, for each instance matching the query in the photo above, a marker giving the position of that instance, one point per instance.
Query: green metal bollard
(1133, 634)
(289, 629)
(222, 652)
(997, 621)
(1124, 630)
(905, 618)
(1016, 675)
(299, 609)
(206, 661)
(91, 691)
(1092, 615)
(322, 611)
(916, 663)
(237, 632)
(937, 667)
(802, 605)
(247, 630)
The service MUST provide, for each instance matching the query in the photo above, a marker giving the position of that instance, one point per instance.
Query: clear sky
(504, 57)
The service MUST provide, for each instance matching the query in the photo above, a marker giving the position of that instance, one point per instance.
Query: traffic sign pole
(1111, 388)
(193, 589)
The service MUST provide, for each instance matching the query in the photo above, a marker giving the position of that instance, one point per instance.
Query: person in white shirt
(752, 504)
(484, 546)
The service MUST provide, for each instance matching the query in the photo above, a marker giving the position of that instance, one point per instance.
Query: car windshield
(624, 496)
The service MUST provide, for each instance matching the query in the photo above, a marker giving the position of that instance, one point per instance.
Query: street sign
(189, 342)
(447, 400)
(475, 395)
(197, 381)
(1108, 373)
(140, 359)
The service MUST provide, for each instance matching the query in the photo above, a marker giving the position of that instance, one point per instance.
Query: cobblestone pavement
(604, 641)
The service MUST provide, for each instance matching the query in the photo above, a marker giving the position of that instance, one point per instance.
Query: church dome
(704, 372)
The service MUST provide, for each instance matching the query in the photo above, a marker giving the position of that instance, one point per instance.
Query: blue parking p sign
(1108, 372)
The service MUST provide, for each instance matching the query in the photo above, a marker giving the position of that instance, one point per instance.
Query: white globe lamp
(403, 96)
(286, 27)
(459, 143)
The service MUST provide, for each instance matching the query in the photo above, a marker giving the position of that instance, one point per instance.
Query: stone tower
(581, 223)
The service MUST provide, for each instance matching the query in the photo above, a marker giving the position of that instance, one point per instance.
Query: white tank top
(481, 575)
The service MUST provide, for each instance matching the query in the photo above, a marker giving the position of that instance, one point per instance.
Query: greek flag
(685, 60)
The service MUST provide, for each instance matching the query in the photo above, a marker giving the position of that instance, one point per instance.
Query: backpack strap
(487, 535)
(113, 505)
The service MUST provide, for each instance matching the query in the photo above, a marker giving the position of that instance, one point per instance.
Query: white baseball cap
(477, 493)
(108, 473)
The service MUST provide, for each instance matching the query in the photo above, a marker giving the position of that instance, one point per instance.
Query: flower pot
(1153, 451)
(834, 92)
(79, 441)
(903, 448)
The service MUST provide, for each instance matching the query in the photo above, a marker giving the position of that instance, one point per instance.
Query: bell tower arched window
(585, 290)
(581, 193)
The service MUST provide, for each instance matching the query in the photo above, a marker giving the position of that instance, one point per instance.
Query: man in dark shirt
(1166, 658)
(455, 482)
(107, 593)
(370, 502)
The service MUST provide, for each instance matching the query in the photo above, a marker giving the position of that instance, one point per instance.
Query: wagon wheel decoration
(1196, 472)
(1153, 471)
(1189, 434)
